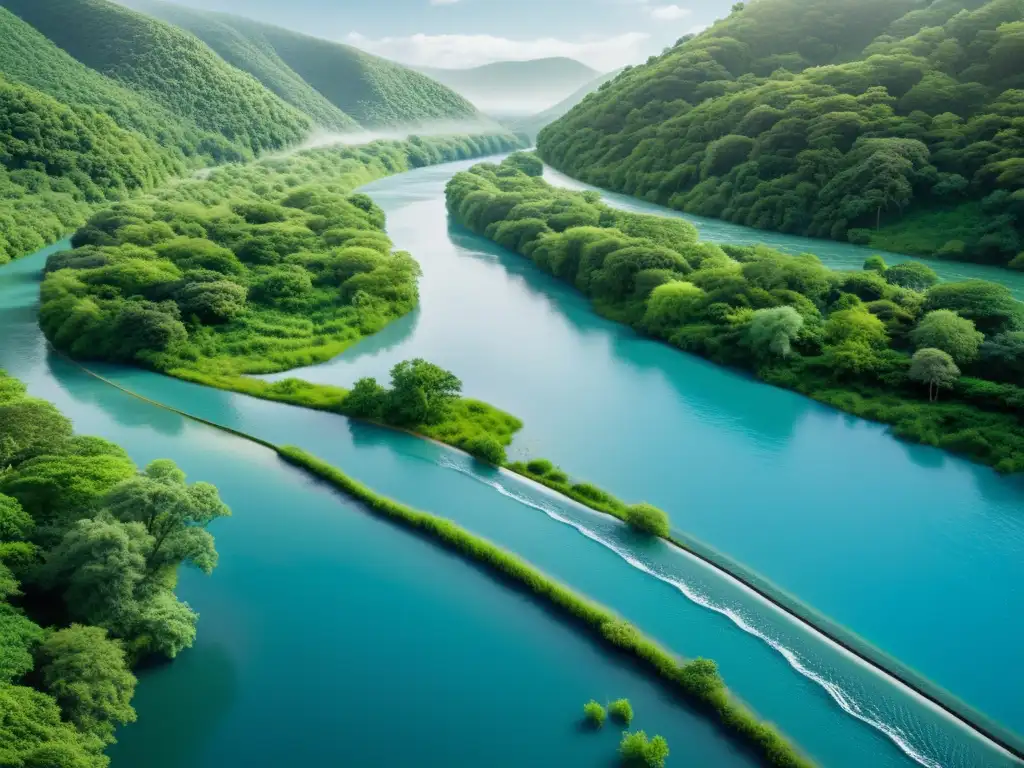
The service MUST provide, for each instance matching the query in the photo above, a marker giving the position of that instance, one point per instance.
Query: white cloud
(669, 12)
(604, 54)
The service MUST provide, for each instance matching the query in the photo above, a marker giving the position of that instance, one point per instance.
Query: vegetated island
(258, 269)
(90, 548)
(893, 123)
(886, 344)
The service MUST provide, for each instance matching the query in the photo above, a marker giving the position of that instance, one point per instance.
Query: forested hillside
(332, 83)
(90, 548)
(169, 66)
(877, 121)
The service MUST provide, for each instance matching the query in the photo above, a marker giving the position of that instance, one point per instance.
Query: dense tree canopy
(868, 120)
(845, 337)
(93, 546)
(252, 269)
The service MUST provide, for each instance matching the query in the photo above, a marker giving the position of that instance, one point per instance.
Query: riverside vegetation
(878, 343)
(893, 123)
(99, 103)
(257, 269)
(89, 553)
(698, 680)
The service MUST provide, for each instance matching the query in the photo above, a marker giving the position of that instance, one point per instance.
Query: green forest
(880, 122)
(330, 82)
(99, 103)
(90, 548)
(941, 363)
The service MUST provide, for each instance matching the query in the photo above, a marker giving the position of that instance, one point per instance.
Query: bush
(558, 476)
(593, 714)
(648, 519)
(539, 466)
(487, 449)
(636, 750)
(621, 711)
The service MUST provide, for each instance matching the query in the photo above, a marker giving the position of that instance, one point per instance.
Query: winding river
(329, 637)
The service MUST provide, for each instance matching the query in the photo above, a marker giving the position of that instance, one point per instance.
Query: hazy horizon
(461, 34)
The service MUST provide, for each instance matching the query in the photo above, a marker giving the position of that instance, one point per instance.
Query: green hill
(878, 121)
(332, 83)
(168, 66)
(516, 87)
(29, 58)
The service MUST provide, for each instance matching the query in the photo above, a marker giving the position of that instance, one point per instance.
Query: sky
(604, 34)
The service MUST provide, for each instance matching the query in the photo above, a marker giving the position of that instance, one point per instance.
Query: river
(325, 633)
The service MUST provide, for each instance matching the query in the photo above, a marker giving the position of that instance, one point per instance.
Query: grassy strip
(544, 472)
(468, 421)
(698, 680)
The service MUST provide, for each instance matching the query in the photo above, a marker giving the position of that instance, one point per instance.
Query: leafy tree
(856, 326)
(30, 427)
(934, 368)
(636, 750)
(911, 274)
(32, 733)
(88, 676)
(421, 392)
(1002, 357)
(15, 523)
(771, 331)
(366, 399)
(621, 711)
(175, 515)
(875, 264)
(946, 330)
(527, 163)
(594, 714)
(991, 306)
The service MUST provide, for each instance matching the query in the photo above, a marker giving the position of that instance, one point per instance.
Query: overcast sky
(605, 34)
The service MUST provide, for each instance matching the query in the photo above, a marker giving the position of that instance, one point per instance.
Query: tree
(33, 735)
(875, 264)
(946, 330)
(88, 676)
(855, 325)
(636, 750)
(1001, 357)
(771, 331)
(991, 306)
(934, 368)
(526, 162)
(30, 427)
(175, 515)
(366, 399)
(670, 305)
(421, 393)
(15, 522)
(99, 566)
(911, 274)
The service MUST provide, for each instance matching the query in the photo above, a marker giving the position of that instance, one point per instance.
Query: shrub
(873, 263)
(539, 466)
(558, 476)
(621, 711)
(648, 519)
(636, 750)
(486, 448)
(594, 714)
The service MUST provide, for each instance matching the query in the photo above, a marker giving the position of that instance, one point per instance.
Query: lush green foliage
(845, 338)
(252, 269)
(621, 711)
(637, 750)
(330, 82)
(86, 538)
(594, 714)
(875, 121)
(648, 519)
(698, 679)
(169, 66)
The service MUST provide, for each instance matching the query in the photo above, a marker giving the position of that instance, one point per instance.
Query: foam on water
(845, 700)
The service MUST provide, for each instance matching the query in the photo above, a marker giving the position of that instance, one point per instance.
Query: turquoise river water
(328, 637)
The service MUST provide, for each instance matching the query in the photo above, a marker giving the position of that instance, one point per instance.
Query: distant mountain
(532, 124)
(516, 87)
(336, 85)
(169, 67)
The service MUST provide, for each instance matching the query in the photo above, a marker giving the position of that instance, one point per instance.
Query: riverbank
(844, 339)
